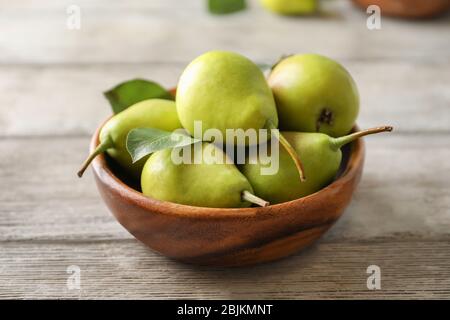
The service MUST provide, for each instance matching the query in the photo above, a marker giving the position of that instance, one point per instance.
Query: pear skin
(224, 90)
(203, 184)
(314, 94)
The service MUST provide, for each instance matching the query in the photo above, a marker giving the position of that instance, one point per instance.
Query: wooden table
(51, 84)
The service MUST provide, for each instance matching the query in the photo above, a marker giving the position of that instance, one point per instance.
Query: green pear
(321, 158)
(314, 94)
(153, 113)
(224, 90)
(202, 183)
(291, 7)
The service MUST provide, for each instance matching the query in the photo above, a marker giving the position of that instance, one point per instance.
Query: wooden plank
(68, 100)
(43, 199)
(404, 193)
(172, 30)
(127, 270)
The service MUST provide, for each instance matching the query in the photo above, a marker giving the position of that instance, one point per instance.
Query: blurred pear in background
(291, 7)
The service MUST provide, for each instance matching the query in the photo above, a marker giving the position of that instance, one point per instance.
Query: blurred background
(64, 71)
(53, 74)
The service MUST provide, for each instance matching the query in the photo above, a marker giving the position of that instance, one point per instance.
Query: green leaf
(144, 141)
(130, 92)
(225, 6)
(264, 67)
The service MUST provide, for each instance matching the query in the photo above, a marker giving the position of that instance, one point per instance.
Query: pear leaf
(133, 91)
(225, 6)
(267, 68)
(264, 66)
(144, 141)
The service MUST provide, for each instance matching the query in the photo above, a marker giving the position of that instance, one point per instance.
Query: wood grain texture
(128, 270)
(70, 100)
(173, 30)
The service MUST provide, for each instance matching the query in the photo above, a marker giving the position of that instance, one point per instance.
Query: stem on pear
(250, 197)
(286, 145)
(294, 156)
(337, 143)
(102, 147)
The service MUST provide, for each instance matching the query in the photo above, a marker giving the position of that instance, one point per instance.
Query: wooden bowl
(228, 237)
(408, 8)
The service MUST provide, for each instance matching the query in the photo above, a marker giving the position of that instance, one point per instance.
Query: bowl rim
(102, 171)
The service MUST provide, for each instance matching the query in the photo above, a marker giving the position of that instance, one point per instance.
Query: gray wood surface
(125, 269)
(51, 80)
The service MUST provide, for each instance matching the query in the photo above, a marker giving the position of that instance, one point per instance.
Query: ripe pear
(153, 113)
(202, 184)
(314, 94)
(321, 157)
(291, 7)
(225, 90)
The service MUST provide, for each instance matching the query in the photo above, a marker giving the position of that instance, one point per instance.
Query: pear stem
(294, 156)
(250, 197)
(102, 147)
(286, 145)
(337, 143)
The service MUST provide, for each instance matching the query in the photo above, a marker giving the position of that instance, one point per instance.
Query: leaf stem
(250, 197)
(102, 147)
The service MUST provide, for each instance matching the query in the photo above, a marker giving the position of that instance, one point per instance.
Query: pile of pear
(311, 99)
